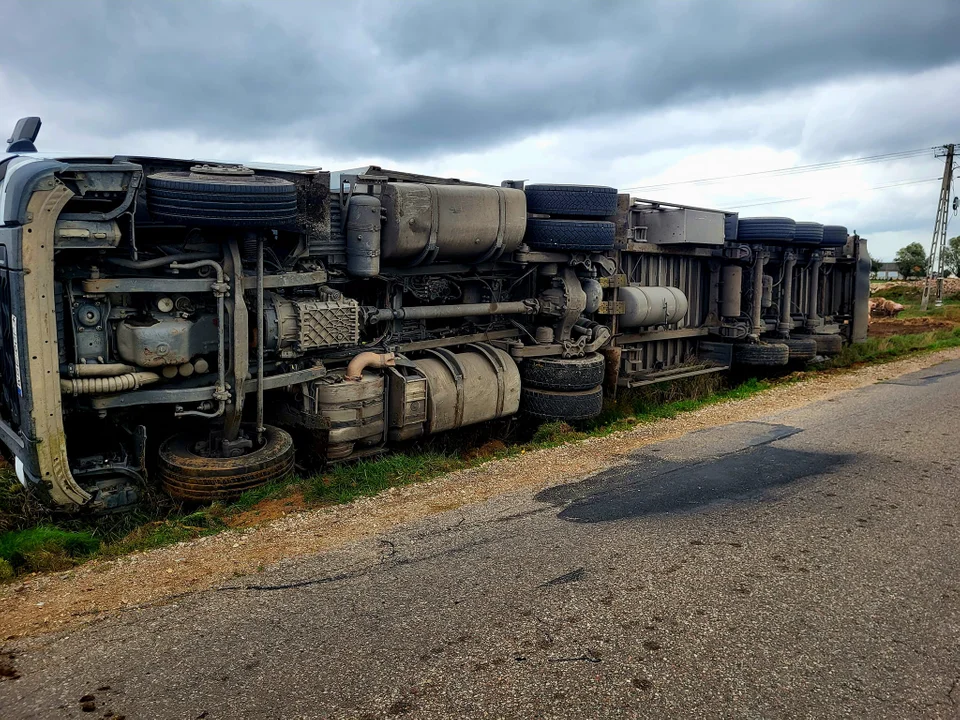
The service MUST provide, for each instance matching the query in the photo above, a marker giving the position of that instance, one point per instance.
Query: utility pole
(939, 243)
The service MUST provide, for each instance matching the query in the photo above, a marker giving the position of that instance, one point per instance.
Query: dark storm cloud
(420, 76)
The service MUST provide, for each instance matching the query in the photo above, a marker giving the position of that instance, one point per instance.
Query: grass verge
(33, 540)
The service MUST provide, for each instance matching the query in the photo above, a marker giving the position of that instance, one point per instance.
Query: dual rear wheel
(575, 217)
(568, 389)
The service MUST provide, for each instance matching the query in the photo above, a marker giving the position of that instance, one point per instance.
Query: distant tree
(875, 266)
(911, 261)
(951, 256)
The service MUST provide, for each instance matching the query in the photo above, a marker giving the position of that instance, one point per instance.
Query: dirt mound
(885, 327)
(268, 509)
(912, 289)
(488, 449)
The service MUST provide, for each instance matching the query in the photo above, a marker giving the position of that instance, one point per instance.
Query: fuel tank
(464, 388)
(460, 223)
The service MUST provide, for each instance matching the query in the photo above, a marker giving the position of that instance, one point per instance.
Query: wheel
(189, 476)
(765, 354)
(828, 344)
(801, 348)
(221, 197)
(553, 405)
(554, 373)
(572, 200)
(768, 228)
(809, 233)
(834, 236)
(569, 234)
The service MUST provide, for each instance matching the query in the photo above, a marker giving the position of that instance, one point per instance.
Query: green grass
(369, 477)
(950, 310)
(45, 547)
(895, 346)
(33, 540)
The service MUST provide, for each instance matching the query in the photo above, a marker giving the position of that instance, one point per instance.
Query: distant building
(889, 271)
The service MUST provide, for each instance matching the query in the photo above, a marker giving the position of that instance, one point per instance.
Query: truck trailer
(191, 323)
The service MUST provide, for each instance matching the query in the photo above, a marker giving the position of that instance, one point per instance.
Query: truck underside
(192, 325)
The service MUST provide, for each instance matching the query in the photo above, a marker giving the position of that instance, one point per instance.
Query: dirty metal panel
(682, 226)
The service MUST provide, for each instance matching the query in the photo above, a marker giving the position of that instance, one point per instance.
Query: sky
(632, 94)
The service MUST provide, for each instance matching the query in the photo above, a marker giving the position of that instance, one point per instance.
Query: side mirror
(24, 134)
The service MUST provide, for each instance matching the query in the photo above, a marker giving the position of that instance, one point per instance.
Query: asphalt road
(807, 565)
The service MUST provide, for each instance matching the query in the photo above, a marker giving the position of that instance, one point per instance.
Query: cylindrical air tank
(646, 306)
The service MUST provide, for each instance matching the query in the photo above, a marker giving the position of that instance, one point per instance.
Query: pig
(881, 307)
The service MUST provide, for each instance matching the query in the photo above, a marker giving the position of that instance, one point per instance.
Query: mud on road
(98, 589)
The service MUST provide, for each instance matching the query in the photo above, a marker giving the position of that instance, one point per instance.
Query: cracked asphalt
(806, 565)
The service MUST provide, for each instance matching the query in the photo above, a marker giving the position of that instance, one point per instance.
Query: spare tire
(801, 348)
(187, 475)
(550, 234)
(762, 354)
(766, 228)
(834, 236)
(553, 405)
(554, 373)
(828, 344)
(808, 233)
(572, 200)
(209, 199)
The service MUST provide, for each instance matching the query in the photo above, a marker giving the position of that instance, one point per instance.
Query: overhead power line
(901, 183)
(796, 169)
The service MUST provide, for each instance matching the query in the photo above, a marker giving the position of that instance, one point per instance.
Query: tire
(730, 222)
(769, 228)
(809, 233)
(828, 344)
(188, 476)
(762, 354)
(801, 348)
(583, 373)
(553, 405)
(219, 200)
(572, 200)
(569, 234)
(834, 236)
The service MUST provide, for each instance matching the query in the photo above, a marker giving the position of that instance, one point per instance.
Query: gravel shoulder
(98, 589)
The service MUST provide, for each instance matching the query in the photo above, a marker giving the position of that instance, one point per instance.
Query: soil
(947, 319)
(266, 510)
(488, 449)
(885, 327)
(951, 286)
(59, 601)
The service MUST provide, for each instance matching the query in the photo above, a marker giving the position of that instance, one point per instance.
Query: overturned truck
(195, 323)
